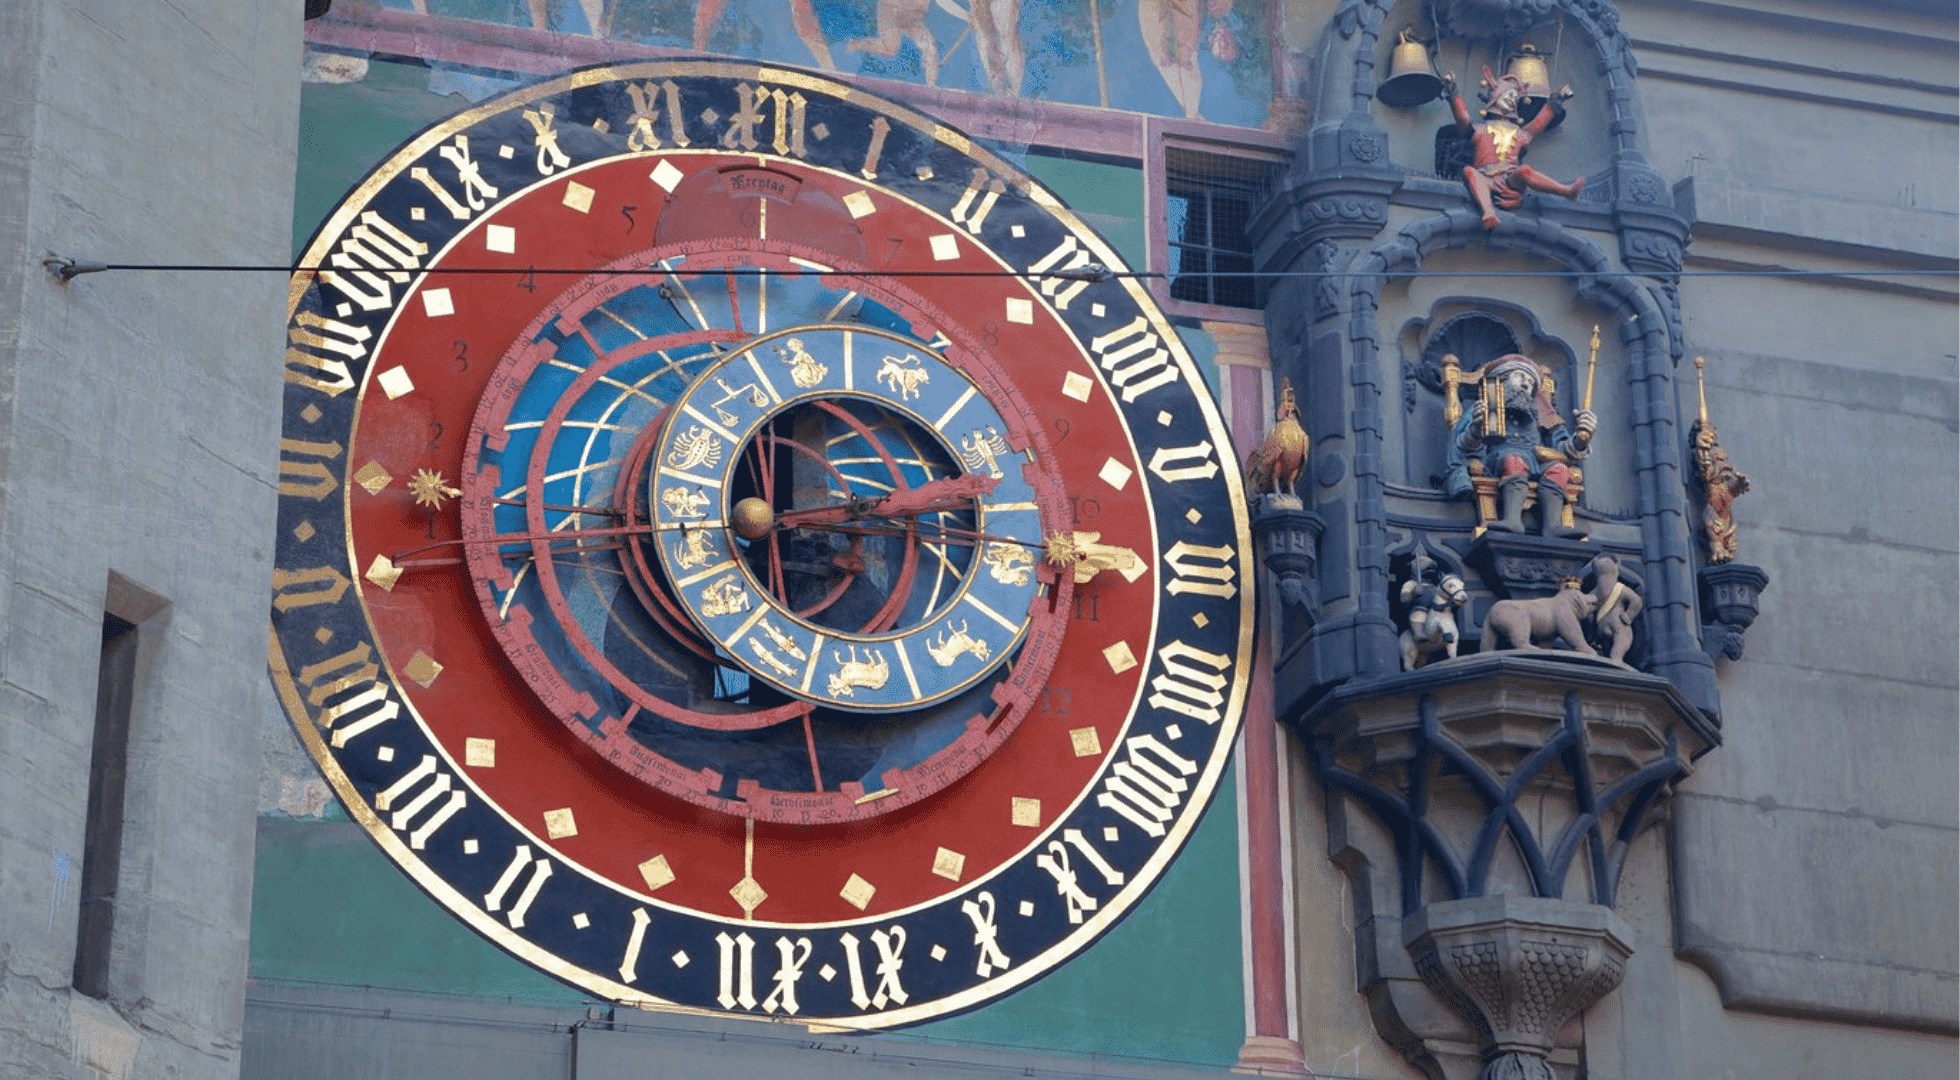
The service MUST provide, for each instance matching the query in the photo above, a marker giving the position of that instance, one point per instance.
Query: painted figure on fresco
(1171, 29)
(1513, 437)
(1497, 175)
(994, 25)
(802, 15)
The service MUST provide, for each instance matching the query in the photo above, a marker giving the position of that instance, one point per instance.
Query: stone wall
(138, 461)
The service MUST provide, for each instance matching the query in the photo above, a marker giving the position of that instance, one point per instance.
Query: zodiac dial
(742, 550)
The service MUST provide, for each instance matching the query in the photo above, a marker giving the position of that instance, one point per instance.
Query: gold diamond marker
(421, 667)
(859, 204)
(480, 753)
(655, 872)
(1115, 474)
(666, 176)
(581, 920)
(1200, 621)
(323, 635)
(748, 893)
(1026, 812)
(311, 414)
(1193, 516)
(858, 892)
(558, 824)
(949, 864)
(304, 531)
(1120, 658)
(1077, 385)
(578, 197)
(383, 572)
(1085, 741)
(372, 477)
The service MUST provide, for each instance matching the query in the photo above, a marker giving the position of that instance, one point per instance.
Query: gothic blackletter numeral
(629, 965)
(1174, 463)
(977, 201)
(646, 113)
(308, 341)
(1202, 569)
(986, 935)
(786, 116)
(520, 863)
(305, 588)
(792, 955)
(373, 253)
(1068, 255)
(1147, 791)
(475, 189)
(1186, 688)
(368, 703)
(545, 138)
(880, 127)
(889, 943)
(737, 970)
(428, 804)
(1056, 862)
(1134, 358)
(307, 479)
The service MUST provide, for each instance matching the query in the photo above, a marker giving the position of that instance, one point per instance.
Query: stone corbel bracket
(1729, 592)
(1517, 968)
(1483, 808)
(1288, 536)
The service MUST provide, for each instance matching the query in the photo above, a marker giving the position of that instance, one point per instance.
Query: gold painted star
(429, 490)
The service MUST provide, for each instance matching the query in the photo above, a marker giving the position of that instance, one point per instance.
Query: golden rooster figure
(1276, 465)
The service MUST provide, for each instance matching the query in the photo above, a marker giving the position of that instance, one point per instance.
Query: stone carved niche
(1483, 810)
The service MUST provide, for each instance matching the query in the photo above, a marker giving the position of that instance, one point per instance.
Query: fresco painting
(1208, 59)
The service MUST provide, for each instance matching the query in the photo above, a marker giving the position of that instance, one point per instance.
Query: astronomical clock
(745, 548)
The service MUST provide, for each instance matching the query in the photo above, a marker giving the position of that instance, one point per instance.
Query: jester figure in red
(1497, 175)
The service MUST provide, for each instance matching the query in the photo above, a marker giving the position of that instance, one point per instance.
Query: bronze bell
(1411, 78)
(1529, 67)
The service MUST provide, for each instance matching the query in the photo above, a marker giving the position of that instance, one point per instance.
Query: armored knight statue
(1514, 438)
(1497, 175)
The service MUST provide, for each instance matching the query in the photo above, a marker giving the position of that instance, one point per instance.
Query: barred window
(1209, 200)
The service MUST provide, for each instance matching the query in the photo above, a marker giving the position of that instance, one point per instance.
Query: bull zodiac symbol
(982, 451)
(1009, 565)
(693, 448)
(683, 502)
(869, 674)
(804, 370)
(724, 597)
(952, 644)
(755, 397)
(904, 377)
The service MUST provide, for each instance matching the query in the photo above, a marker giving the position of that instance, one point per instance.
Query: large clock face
(739, 551)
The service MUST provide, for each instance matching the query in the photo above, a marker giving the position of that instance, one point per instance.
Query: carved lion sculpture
(1541, 620)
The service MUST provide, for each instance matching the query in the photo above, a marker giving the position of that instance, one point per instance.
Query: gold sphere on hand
(752, 518)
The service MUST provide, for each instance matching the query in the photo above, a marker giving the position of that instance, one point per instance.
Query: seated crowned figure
(1514, 439)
